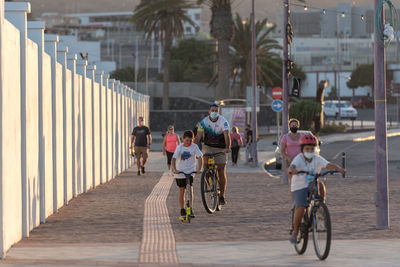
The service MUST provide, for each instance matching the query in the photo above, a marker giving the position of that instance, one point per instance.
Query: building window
(197, 16)
(188, 29)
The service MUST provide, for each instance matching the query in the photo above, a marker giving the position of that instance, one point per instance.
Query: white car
(331, 109)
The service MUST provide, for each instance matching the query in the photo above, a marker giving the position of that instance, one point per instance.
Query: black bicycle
(209, 183)
(316, 220)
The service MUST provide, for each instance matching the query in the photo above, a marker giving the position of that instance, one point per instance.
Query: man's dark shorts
(182, 182)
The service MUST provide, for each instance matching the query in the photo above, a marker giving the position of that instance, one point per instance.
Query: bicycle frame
(188, 195)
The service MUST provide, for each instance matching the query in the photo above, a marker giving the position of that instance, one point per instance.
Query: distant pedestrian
(170, 142)
(290, 143)
(249, 146)
(141, 138)
(236, 143)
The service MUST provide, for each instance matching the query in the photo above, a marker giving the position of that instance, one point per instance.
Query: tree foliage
(305, 111)
(192, 61)
(127, 74)
(268, 65)
(165, 20)
(221, 29)
(363, 75)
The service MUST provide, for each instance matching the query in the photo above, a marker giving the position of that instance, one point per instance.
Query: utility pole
(285, 86)
(254, 86)
(381, 162)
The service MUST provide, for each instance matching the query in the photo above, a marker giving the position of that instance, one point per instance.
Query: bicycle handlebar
(319, 174)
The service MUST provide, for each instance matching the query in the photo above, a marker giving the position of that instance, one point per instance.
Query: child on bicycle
(312, 163)
(187, 153)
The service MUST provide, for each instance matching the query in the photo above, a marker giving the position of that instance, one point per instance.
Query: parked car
(362, 102)
(331, 109)
(278, 155)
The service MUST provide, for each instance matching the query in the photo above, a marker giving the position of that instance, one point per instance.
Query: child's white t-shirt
(300, 181)
(186, 159)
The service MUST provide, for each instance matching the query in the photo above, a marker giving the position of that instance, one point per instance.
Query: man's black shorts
(182, 182)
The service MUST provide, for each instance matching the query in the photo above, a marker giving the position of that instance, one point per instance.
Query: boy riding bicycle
(187, 153)
(312, 163)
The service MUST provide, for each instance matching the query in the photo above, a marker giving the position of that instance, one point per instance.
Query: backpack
(235, 143)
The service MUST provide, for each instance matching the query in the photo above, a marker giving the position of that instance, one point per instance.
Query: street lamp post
(285, 97)
(254, 86)
(338, 61)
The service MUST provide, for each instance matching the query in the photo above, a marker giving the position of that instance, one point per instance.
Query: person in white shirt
(312, 163)
(186, 154)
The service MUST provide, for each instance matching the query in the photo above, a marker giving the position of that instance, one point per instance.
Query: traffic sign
(277, 93)
(277, 105)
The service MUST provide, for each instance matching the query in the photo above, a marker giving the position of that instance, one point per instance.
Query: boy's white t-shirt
(186, 159)
(300, 181)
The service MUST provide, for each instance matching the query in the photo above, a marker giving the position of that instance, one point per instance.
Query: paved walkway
(126, 223)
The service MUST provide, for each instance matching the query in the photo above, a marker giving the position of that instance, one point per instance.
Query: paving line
(158, 242)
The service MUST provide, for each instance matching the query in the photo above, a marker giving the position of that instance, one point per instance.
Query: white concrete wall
(78, 157)
(47, 135)
(96, 133)
(32, 133)
(61, 133)
(103, 131)
(88, 126)
(11, 195)
(68, 138)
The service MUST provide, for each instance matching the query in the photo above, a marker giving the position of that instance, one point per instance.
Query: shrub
(305, 111)
(333, 128)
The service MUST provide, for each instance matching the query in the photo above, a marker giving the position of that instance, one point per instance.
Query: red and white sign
(277, 93)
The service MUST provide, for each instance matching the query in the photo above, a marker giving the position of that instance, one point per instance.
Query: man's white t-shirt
(186, 159)
(300, 181)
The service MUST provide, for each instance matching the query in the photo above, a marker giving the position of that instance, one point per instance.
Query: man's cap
(214, 105)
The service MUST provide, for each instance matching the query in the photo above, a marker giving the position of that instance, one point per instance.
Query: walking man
(142, 138)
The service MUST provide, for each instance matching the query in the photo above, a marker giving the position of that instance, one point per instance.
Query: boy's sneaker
(192, 214)
(183, 212)
(222, 200)
(138, 173)
(143, 170)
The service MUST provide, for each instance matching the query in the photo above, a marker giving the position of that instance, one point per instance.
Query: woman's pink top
(293, 148)
(171, 142)
(237, 137)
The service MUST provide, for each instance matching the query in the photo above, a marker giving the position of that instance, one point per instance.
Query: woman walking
(290, 143)
(170, 143)
(236, 143)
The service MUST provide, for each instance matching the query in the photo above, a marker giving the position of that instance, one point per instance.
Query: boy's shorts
(182, 182)
(300, 197)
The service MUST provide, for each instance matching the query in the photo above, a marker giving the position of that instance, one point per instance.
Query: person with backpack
(236, 143)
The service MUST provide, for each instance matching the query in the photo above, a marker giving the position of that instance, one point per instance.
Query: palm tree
(221, 27)
(164, 19)
(268, 65)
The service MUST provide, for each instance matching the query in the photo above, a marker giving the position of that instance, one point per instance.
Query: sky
(264, 8)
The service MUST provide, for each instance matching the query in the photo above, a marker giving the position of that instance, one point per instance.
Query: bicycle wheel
(302, 237)
(219, 206)
(322, 230)
(208, 187)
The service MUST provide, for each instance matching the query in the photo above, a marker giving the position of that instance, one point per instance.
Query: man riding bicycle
(215, 129)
